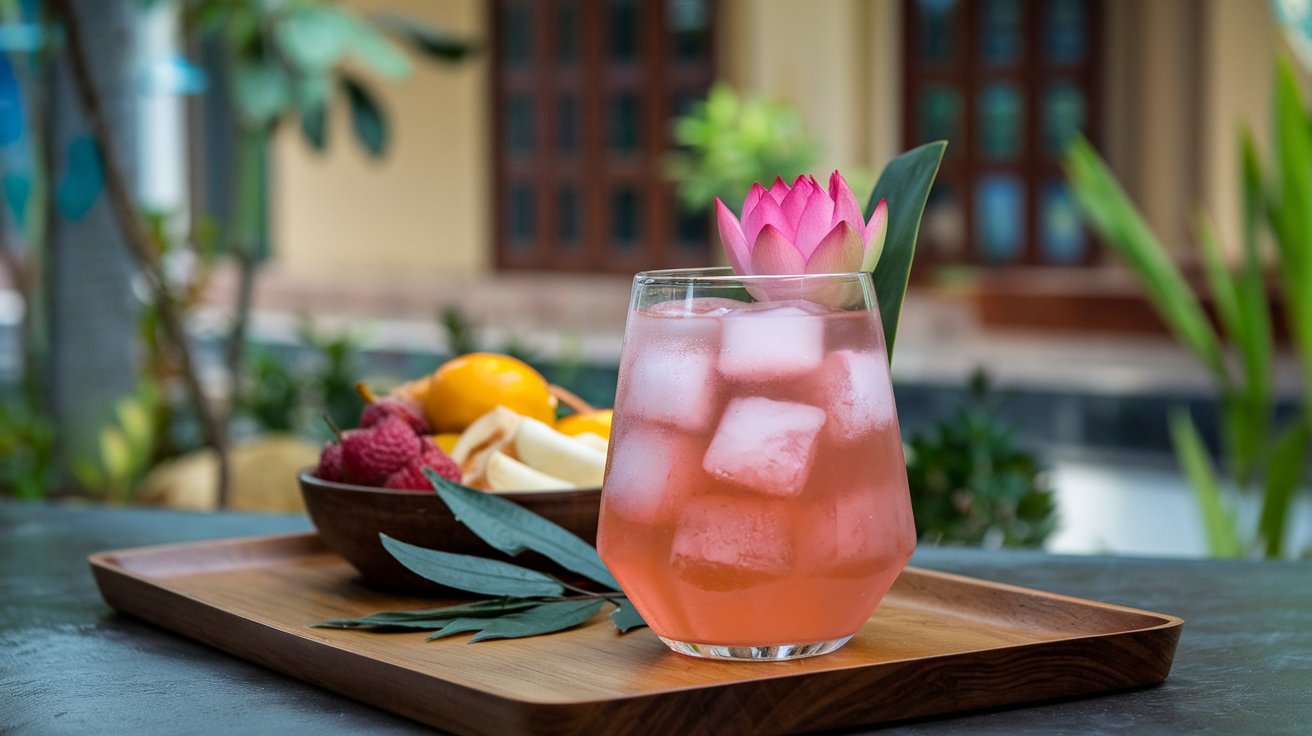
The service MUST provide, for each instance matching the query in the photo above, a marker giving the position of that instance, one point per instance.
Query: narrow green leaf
(434, 43)
(1115, 218)
(1284, 472)
(367, 119)
(432, 618)
(1292, 215)
(1218, 522)
(1254, 310)
(261, 90)
(512, 529)
(625, 617)
(1219, 280)
(314, 38)
(905, 184)
(474, 574)
(375, 51)
(1244, 424)
(545, 618)
(314, 127)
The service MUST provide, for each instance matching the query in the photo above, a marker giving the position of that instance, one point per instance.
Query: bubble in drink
(764, 445)
(725, 543)
(767, 344)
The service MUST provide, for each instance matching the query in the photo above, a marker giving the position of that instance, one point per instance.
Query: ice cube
(765, 445)
(859, 529)
(668, 370)
(859, 393)
(649, 469)
(762, 344)
(724, 543)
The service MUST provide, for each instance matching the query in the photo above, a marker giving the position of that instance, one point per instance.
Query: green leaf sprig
(527, 602)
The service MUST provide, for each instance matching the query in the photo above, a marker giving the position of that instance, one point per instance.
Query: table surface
(70, 665)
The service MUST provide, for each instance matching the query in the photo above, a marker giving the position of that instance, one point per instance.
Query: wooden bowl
(349, 519)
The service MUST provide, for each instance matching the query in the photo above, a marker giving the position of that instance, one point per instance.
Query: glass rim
(711, 275)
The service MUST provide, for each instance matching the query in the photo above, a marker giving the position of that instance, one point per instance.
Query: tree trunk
(93, 314)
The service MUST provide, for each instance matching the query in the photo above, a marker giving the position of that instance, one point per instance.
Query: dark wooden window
(1008, 83)
(584, 95)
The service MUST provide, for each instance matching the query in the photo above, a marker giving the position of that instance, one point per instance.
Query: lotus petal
(766, 212)
(731, 235)
(773, 253)
(846, 206)
(815, 222)
(875, 233)
(839, 252)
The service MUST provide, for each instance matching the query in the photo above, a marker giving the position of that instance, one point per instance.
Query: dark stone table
(70, 665)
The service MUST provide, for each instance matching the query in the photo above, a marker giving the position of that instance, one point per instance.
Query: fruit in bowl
(371, 480)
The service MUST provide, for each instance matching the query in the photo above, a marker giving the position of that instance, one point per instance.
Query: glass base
(775, 653)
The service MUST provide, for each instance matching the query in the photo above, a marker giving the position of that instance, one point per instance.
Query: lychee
(371, 454)
(412, 478)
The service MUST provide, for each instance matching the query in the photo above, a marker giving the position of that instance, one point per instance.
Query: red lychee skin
(406, 409)
(330, 463)
(412, 478)
(370, 455)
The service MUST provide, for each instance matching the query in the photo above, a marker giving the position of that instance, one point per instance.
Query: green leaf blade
(1284, 473)
(474, 574)
(544, 618)
(367, 118)
(511, 528)
(625, 617)
(1116, 219)
(431, 41)
(905, 183)
(432, 618)
(1218, 522)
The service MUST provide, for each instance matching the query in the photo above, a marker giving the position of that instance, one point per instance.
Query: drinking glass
(755, 504)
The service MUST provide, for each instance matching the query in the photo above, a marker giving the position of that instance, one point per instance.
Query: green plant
(126, 446)
(1258, 454)
(27, 444)
(727, 143)
(971, 483)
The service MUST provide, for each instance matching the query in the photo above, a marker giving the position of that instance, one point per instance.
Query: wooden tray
(938, 644)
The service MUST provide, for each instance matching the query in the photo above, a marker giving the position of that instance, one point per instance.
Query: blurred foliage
(288, 59)
(1259, 456)
(286, 395)
(27, 445)
(727, 143)
(971, 483)
(126, 447)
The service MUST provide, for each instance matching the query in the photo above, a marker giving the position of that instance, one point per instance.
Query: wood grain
(938, 644)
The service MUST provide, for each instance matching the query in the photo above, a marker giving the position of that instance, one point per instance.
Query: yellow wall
(1180, 75)
(1238, 74)
(417, 214)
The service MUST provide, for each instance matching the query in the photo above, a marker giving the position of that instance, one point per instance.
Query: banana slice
(505, 473)
(593, 440)
(559, 455)
(490, 433)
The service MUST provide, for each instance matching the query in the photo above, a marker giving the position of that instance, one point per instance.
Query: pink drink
(756, 491)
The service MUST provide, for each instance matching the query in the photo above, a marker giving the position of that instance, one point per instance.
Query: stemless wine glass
(755, 504)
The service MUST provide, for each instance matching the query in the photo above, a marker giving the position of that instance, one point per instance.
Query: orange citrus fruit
(446, 441)
(597, 422)
(465, 388)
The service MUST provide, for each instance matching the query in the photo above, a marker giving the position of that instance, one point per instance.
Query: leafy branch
(527, 602)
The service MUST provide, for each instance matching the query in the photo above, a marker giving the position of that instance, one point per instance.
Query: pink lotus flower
(802, 229)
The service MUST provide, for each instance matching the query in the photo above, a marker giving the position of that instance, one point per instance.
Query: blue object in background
(999, 217)
(1063, 238)
(83, 179)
